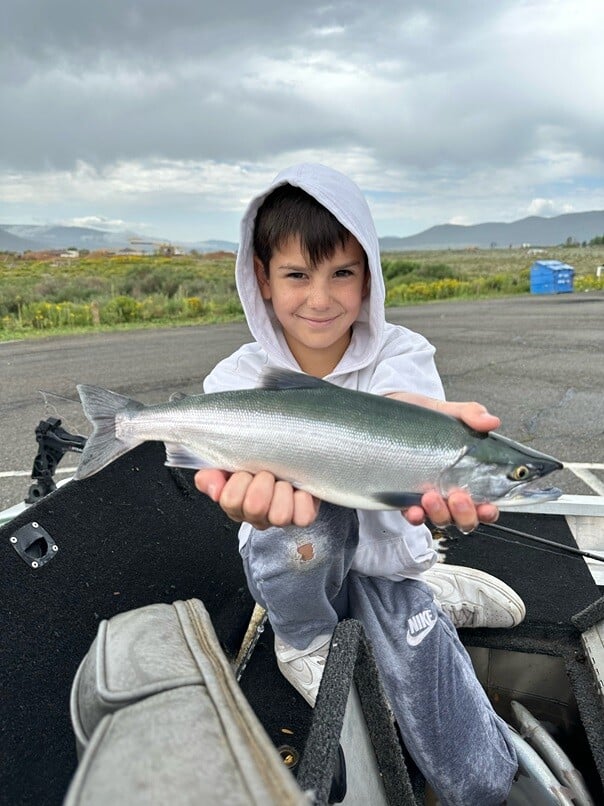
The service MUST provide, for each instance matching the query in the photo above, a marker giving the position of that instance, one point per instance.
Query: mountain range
(32, 237)
(533, 231)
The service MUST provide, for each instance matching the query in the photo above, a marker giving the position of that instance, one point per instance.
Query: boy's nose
(318, 295)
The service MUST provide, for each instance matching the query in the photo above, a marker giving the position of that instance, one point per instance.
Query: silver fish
(549, 750)
(535, 783)
(350, 448)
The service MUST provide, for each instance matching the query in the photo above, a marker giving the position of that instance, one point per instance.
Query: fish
(351, 448)
(565, 771)
(535, 782)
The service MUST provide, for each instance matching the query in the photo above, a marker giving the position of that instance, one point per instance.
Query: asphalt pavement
(535, 361)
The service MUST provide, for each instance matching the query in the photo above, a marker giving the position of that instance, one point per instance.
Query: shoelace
(460, 615)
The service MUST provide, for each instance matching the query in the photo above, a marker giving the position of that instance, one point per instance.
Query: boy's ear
(261, 278)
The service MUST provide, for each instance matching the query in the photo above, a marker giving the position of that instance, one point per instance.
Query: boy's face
(316, 305)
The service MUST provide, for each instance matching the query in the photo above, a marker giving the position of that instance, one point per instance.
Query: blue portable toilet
(551, 277)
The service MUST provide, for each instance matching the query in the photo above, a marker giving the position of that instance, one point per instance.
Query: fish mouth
(527, 494)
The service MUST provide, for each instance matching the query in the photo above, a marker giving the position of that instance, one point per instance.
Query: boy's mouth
(314, 322)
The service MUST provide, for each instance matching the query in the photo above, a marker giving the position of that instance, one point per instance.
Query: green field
(61, 295)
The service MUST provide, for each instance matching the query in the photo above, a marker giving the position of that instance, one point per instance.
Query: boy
(309, 278)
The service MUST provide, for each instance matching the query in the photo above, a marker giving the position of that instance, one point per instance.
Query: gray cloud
(449, 95)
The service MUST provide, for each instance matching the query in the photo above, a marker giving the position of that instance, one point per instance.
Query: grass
(42, 297)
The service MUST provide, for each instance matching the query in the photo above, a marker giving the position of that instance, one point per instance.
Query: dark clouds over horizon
(166, 117)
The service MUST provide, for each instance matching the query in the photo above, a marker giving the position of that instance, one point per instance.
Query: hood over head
(338, 194)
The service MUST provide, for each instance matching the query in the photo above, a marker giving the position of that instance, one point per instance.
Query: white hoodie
(382, 358)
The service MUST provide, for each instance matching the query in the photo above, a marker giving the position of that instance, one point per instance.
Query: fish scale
(265, 433)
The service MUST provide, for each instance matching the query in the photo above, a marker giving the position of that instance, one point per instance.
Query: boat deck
(139, 533)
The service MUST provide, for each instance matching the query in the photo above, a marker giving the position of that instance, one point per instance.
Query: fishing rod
(545, 541)
(511, 541)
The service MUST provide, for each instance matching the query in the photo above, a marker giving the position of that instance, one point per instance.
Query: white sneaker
(303, 668)
(473, 598)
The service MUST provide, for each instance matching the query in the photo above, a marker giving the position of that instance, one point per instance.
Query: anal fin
(179, 456)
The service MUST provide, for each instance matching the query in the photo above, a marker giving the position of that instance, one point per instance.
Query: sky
(165, 118)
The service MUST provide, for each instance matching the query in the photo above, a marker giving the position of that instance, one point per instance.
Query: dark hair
(288, 212)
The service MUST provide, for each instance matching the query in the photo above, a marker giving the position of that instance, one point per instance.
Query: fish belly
(333, 461)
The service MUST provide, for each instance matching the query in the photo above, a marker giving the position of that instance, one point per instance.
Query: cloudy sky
(166, 117)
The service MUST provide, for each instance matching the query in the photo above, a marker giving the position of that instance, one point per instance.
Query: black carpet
(134, 534)
(561, 601)
(554, 585)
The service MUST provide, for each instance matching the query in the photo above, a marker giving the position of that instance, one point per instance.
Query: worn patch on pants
(419, 625)
(306, 553)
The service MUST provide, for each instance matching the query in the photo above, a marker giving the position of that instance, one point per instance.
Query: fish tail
(101, 407)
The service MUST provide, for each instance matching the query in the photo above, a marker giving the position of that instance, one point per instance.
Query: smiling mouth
(311, 321)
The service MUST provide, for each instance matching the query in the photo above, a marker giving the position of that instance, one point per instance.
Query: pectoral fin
(396, 500)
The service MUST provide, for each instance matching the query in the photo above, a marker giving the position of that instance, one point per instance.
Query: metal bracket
(34, 545)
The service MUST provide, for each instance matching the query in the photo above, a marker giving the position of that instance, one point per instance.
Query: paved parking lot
(536, 361)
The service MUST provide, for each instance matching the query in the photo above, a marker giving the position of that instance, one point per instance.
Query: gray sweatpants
(302, 578)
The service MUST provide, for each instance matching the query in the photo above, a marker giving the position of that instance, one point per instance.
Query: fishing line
(54, 406)
(552, 543)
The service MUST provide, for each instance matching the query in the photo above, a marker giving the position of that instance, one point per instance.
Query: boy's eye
(296, 275)
(343, 273)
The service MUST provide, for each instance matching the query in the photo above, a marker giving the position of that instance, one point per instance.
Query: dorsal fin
(279, 379)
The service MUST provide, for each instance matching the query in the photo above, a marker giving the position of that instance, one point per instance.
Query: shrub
(193, 307)
(589, 282)
(49, 315)
(119, 309)
(61, 289)
(397, 271)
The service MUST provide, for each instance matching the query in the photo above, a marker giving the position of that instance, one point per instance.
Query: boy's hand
(459, 507)
(258, 499)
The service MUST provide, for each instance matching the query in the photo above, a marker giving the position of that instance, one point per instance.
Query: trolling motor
(53, 443)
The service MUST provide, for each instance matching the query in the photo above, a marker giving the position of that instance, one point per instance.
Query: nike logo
(419, 626)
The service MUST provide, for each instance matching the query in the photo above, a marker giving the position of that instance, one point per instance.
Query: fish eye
(520, 473)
